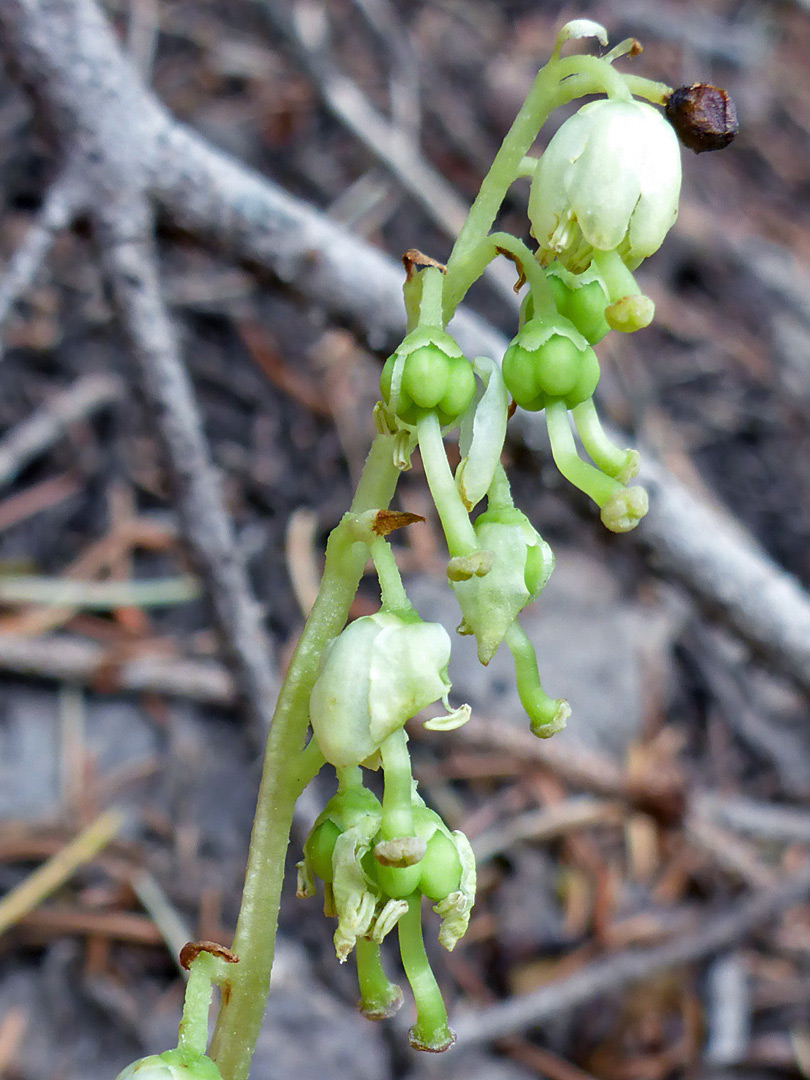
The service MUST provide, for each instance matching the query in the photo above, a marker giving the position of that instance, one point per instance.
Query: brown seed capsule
(704, 116)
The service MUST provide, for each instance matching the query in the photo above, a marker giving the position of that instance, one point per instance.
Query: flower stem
(430, 1032)
(592, 481)
(607, 457)
(392, 591)
(458, 530)
(499, 495)
(430, 302)
(379, 997)
(284, 777)
(397, 807)
(499, 243)
(193, 1033)
(547, 715)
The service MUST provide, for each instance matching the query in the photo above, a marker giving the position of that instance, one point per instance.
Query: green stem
(392, 591)
(547, 715)
(607, 457)
(430, 302)
(620, 282)
(499, 495)
(473, 266)
(458, 530)
(430, 1032)
(397, 806)
(379, 997)
(193, 1033)
(558, 82)
(283, 778)
(578, 472)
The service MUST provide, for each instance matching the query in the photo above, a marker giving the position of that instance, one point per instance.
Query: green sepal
(482, 434)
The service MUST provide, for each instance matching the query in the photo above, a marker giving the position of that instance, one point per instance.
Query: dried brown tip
(190, 952)
(521, 281)
(385, 521)
(704, 116)
(413, 257)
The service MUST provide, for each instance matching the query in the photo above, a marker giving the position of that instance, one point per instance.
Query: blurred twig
(615, 973)
(45, 880)
(59, 206)
(32, 437)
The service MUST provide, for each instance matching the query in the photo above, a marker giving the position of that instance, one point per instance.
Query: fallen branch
(47, 878)
(74, 660)
(60, 205)
(34, 436)
(67, 51)
(130, 262)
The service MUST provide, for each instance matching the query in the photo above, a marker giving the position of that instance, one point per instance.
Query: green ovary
(555, 370)
(440, 868)
(426, 377)
(431, 381)
(586, 310)
(319, 849)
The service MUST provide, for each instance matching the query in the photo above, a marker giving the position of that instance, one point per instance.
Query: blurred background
(649, 819)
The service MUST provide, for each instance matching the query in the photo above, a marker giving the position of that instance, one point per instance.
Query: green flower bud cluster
(550, 360)
(428, 372)
(373, 884)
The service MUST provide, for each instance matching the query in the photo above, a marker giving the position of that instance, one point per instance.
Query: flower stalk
(349, 692)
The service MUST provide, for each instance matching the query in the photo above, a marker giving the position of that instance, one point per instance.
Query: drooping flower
(521, 565)
(609, 180)
(378, 673)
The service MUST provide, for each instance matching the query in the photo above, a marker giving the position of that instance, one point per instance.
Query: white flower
(374, 676)
(609, 180)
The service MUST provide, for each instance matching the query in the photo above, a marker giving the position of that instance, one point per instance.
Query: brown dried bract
(704, 116)
(385, 521)
(191, 950)
(521, 281)
(413, 257)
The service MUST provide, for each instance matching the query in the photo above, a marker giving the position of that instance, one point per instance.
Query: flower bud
(549, 360)
(609, 180)
(374, 676)
(172, 1065)
(522, 564)
(427, 372)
